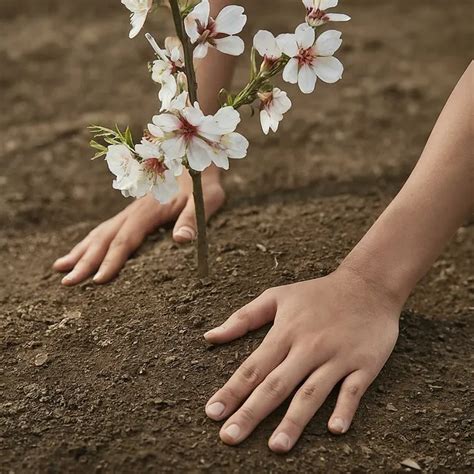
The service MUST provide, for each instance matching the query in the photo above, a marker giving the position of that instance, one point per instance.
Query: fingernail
(68, 278)
(281, 441)
(97, 276)
(215, 331)
(186, 232)
(338, 425)
(214, 410)
(233, 431)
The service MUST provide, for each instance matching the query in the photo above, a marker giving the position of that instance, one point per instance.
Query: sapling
(181, 136)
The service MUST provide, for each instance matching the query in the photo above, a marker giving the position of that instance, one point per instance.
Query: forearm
(404, 242)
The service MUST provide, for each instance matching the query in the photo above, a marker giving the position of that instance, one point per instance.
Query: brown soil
(115, 378)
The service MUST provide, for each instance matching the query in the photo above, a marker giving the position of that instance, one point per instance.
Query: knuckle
(249, 372)
(309, 392)
(121, 242)
(107, 262)
(247, 414)
(275, 386)
(242, 315)
(86, 263)
(268, 292)
(296, 425)
(353, 390)
(229, 392)
(94, 233)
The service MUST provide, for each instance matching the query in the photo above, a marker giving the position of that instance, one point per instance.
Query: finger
(304, 405)
(273, 391)
(127, 240)
(68, 261)
(88, 263)
(101, 234)
(185, 227)
(252, 316)
(247, 377)
(352, 389)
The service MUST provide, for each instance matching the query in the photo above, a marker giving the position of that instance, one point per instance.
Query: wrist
(385, 290)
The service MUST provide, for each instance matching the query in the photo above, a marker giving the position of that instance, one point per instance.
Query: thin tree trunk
(202, 245)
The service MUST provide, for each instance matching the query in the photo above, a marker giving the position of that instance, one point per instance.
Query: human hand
(107, 247)
(336, 328)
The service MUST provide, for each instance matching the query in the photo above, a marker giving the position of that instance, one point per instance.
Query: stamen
(187, 129)
(155, 166)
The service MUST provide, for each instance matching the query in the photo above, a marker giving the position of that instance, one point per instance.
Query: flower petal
(155, 131)
(281, 102)
(306, 79)
(266, 44)
(325, 4)
(174, 148)
(328, 43)
(179, 102)
(265, 121)
(220, 159)
(199, 154)
(193, 115)
(287, 43)
(232, 45)
(235, 145)
(148, 150)
(305, 35)
(290, 72)
(337, 17)
(137, 20)
(231, 20)
(227, 119)
(200, 13)
(328, 69)
(119, 159)
(165, 188)
(166, 122)
(201, 51)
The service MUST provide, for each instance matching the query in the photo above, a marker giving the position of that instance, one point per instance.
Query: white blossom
(273, 105)
(185, 132)
(309, 59)
(135, 178)
(267, 45)
(158, 175)
(166, 69)
(139, 10)
(125, 167)
(316, 14)
(205, 31)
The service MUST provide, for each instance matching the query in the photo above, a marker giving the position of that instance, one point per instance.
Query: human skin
(343, 327)
(105, 250)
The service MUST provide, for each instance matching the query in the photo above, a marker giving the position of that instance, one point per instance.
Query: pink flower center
(306, 56)
(208, 34)
(187, 129)
(317, 15)
(266, 99)
(155, 166)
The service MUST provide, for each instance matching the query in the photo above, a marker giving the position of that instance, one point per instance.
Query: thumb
(252, 316)
(185, 227)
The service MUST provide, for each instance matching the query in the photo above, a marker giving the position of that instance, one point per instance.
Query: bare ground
(115, 378)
